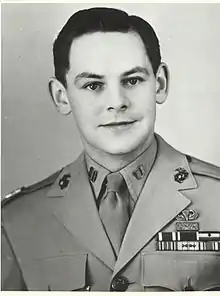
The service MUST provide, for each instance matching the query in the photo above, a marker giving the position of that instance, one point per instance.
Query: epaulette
(29, 189)
(200, 167)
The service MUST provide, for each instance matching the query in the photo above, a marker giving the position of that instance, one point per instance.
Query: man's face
(111, 88)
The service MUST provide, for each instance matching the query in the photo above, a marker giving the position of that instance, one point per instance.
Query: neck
(116, 162)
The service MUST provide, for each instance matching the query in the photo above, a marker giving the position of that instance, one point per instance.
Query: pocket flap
(64, 273)
(176, 271)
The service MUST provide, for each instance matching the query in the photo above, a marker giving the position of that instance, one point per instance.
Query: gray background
(36, 140)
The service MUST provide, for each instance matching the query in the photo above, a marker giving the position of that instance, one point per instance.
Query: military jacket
(53, 239)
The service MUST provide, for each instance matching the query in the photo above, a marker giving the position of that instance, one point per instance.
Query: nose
(117, 100)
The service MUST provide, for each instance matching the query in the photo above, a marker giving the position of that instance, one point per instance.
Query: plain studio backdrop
(37, 141)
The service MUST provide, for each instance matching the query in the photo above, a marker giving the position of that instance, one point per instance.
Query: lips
(118, 123)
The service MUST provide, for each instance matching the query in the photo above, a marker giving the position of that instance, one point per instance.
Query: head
(108, 73)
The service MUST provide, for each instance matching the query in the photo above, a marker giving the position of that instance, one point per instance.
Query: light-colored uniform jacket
(53, 238)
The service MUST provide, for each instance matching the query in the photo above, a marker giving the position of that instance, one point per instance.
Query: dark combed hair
(100, 19)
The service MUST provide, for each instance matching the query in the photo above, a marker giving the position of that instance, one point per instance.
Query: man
(131, 213)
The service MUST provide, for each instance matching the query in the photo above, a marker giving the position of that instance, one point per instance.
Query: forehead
(107, 53)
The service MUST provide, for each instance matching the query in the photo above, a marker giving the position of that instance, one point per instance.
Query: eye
(133, 81)
(94, 86)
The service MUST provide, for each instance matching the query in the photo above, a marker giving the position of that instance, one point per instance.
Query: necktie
(114, 209)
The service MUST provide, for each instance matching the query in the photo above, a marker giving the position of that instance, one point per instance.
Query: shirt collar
(135, 173)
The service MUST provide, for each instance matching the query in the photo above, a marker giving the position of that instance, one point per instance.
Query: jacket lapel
(161, 200)
(78, 213)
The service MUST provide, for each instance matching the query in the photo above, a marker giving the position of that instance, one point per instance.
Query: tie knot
(114, 182)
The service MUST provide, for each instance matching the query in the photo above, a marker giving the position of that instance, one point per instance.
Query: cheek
(85, 108)
(143, 101)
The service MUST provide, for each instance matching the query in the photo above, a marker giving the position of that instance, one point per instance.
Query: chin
(119, 148)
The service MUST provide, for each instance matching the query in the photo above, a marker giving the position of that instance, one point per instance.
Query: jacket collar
(135, 173)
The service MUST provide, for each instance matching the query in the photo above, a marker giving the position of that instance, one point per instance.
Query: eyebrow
(88, 75)
(134, 70)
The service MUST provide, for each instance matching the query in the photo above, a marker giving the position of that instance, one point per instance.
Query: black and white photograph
(110, 159)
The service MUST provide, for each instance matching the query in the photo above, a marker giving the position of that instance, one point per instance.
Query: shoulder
(204, 177)
(203, 169)
(33, 193)
(31, 189)
(207, 177)
(197, 167)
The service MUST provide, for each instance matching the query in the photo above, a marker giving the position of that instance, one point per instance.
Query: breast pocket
(181, 270)
(66, 273)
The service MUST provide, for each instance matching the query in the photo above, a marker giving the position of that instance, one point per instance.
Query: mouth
(119, 124)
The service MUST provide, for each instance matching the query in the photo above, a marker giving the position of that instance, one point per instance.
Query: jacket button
(120, 284)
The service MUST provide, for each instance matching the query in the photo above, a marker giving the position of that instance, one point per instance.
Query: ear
(59, 96)
(162, 83)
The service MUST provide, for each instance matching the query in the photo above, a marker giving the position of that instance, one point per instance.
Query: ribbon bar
(189, 236)
(188, 246)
